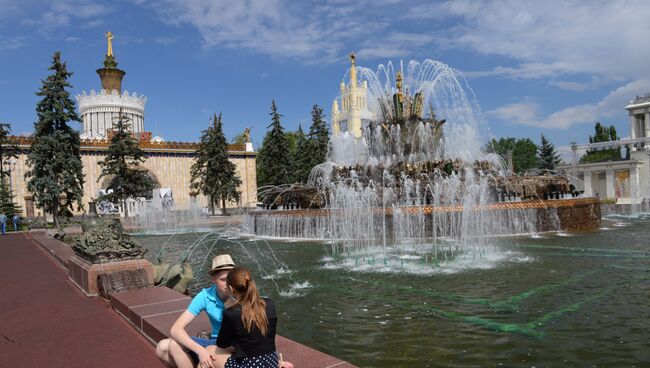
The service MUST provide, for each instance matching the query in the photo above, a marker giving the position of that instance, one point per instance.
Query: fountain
(409, 176)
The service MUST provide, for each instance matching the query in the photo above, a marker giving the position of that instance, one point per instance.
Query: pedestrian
(3, 221)
(16, 220)
(248, 326)
(183, 350)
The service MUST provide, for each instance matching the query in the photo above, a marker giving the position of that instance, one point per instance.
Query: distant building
(627, 180)
(353, 114)
(168, 163)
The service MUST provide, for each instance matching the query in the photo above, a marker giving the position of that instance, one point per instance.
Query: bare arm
(179, 335)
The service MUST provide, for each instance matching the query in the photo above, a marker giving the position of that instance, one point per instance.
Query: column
(609, 183)
(632, 131)
(587, 184)
(647, 124)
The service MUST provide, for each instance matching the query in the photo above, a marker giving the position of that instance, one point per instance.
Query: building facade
(626, 180)
(168, 163)
(353, 113)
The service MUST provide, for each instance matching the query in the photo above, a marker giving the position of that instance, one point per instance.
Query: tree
(239, 139)
(318, 138)
(602, 134)
(213, 174)
(7, 204)
(8, 150)
(300, 157)
(123, 163)
(547, 156)
(273, 166)
(524, 152)
(55, 177)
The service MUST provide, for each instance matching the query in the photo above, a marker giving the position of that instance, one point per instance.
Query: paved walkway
(46, 322)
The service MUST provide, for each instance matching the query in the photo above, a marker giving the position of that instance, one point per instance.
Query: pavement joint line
(164, 301)
(163, 313)
(334, 365)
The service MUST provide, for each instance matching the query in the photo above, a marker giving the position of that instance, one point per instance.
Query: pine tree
(213, 174)
(8, 150)
(55, 178)
(123, 163)
(273, 166)
(547, 156)
(300, 157)
(318, 138)
(7, 204)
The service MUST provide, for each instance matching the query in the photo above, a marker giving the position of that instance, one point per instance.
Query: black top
(247, 344)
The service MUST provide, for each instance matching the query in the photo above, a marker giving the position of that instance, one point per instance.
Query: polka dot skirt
(269, 360)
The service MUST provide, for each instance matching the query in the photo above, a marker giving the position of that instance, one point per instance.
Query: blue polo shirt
(207, 300)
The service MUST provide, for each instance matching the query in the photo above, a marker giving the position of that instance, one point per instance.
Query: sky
(536, 67)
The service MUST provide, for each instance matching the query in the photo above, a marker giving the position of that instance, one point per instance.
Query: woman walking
(248, 326)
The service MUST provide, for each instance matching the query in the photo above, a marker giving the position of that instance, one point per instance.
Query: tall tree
(213, 174)
(273, 166)
(318, 138)
(602, 134)
(123, 164)
(547, 156)
(55, 177)
(524, 152)
(8, 150)
(300, 157)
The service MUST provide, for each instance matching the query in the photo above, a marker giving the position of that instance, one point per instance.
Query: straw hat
(221, 262)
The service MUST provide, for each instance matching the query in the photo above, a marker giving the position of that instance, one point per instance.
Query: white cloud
(528, 113)
(313, 32)
(61, 13)
(11, 43)
(549, 37)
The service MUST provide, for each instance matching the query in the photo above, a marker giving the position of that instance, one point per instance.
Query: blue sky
(552, 67)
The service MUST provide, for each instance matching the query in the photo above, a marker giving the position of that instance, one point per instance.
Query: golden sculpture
(398, 84)
(353, 58)
(109, 37)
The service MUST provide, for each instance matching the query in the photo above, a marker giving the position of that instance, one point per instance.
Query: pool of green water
(554, 300)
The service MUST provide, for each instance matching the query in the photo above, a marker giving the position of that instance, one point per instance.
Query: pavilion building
(168, 163)
(626, 180)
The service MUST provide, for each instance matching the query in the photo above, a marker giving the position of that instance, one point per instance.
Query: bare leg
(179, 356)
(221, 354)
(162, 352)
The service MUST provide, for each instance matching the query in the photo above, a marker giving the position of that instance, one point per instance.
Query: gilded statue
(109, 37)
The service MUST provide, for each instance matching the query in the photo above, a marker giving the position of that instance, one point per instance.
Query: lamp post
(9, 165)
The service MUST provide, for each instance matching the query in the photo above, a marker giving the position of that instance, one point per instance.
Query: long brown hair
(253, 307)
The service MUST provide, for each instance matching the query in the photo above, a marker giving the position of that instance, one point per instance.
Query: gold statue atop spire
(109, 37)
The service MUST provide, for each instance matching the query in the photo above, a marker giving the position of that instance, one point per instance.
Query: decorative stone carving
(104, 242)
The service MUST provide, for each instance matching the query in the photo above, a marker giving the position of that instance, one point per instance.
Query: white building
(628, 181)
(353, 114)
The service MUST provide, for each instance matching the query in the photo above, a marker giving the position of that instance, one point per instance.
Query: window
(343, 126)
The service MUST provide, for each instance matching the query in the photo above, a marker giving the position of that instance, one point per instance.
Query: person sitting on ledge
(249, 326)
(183, 350)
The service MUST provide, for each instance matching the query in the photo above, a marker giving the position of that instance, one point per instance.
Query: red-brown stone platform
(45, 320)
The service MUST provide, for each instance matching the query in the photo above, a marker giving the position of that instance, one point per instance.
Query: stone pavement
(45, 321)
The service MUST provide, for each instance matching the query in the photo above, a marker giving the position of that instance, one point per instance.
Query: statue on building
(247, 135)
(109, 37)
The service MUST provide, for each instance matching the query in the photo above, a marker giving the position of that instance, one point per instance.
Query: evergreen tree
(273, 166)
(602, 134)
(7, 204)
(318, 139)
(547, 156)
(213, 174)
(300, 157)
(123, 163)
(55, 178)
(8, 150)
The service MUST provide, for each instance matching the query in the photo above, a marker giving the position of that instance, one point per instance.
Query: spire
(353, 70)
(110, 75)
